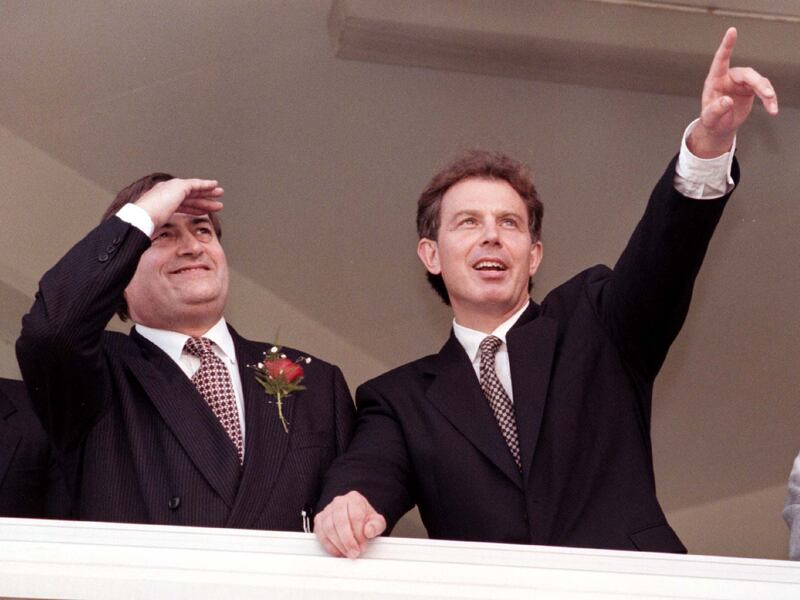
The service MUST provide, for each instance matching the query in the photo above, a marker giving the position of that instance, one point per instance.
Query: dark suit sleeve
(644, 302)
(344, 411)
(376, 463)
(59, 349)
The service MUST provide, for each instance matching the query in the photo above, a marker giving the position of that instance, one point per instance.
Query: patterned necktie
(213, 382)
(498, 398)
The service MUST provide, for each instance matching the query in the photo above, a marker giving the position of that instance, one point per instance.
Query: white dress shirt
(172, 343)
(471, 340)
(703, 178)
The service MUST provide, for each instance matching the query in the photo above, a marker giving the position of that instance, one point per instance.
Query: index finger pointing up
(722, 58)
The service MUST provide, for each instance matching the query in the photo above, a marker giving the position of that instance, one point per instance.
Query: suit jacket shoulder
(397, 378)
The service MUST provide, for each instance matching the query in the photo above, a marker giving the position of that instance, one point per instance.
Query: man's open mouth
(189, 269)
(489, 265)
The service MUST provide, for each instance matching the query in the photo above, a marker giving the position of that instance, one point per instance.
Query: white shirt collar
(471, 339)
(172, 342)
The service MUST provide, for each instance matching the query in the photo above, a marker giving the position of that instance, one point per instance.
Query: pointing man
(532, 423)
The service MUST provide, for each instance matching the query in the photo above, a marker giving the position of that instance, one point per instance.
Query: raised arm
(646, 300)
(60, 347)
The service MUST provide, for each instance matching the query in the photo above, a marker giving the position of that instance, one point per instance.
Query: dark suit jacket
(138, 442)
(582, 369)
(31, 482)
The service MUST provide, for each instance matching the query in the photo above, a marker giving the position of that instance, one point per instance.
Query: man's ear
(537, 253)
(428, 252)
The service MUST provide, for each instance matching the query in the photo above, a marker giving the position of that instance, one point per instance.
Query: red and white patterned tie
(213, 382)
(501, 404)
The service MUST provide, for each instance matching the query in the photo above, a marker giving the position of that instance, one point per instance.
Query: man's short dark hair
(482, 164)
(131, 193)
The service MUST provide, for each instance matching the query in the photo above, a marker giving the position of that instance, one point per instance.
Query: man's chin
(200, 303)
(198, 290)
(497, 295)
(493, 303)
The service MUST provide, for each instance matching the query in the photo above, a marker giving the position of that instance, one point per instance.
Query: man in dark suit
(31, 482)
(168, 424)
(532, 424)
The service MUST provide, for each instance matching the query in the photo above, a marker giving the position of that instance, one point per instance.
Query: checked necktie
(498, 398)
(213, 382)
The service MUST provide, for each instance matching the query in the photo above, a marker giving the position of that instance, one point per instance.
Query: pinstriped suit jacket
(138, 442)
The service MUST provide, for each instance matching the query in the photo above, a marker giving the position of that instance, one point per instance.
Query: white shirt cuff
(703, 178)
(138, 217)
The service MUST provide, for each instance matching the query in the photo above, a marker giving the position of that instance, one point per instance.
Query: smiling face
(181, 282)
(483, 251)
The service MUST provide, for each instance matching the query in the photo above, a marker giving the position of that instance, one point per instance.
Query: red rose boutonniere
(280, 377)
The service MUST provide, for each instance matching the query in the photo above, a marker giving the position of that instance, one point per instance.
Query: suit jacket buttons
(103, 257)
(174, 502)
(110, 248)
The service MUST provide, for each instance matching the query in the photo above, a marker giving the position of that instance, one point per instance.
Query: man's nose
(490, 234)
(189, 245)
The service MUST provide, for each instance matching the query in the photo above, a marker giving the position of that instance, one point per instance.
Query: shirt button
(174, 502)
(103, 257)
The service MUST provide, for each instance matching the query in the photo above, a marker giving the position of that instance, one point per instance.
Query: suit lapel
(456, 392)
(9, 436)
(531, 345)
(189, 418)
(266, 442)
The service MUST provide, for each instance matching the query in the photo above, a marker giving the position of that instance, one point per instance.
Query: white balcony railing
(60, 559)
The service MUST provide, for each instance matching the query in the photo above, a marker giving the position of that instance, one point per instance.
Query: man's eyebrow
(470, 212)
(466, 212)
